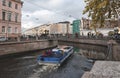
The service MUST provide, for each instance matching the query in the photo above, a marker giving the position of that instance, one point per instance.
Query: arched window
(3, 29)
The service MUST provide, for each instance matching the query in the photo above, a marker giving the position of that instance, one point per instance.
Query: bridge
(8, 48)
(107, 46)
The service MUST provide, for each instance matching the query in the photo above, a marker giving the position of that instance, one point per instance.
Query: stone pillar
(110, 53)
(18, 38)
(36, 36)
(116, 52)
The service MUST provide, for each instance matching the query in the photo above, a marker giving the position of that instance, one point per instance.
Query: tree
(99, 10)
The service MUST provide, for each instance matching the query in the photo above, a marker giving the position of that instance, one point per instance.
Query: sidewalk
(104, 69)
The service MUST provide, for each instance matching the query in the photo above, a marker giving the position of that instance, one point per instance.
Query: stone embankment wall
(93, 49)
(86, 41)
(108, 50)
(19, 47)
(116, 52)
(113, 50)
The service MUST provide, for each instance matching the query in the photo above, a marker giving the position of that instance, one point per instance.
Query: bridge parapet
(24, 46)
(86, 41)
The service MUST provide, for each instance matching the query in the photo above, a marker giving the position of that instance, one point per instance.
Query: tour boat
(55, 56)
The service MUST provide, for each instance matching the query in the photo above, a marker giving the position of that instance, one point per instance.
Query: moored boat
(55, 56)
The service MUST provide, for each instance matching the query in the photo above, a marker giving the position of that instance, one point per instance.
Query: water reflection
(90, 54)
(27, 67)
(77, 50)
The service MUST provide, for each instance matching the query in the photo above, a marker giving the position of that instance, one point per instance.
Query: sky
(38, 12)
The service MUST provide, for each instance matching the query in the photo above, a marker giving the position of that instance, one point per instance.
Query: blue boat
(55, 56)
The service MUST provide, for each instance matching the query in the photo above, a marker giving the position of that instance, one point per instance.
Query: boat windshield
(67, 48)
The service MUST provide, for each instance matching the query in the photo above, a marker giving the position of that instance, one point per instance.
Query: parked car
(3, 39)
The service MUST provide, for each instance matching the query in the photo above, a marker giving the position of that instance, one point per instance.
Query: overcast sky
(37, 12)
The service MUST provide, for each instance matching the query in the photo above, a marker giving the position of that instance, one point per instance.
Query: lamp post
(118, 14)
(36, 33)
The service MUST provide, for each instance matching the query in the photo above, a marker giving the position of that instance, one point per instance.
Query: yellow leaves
(99, 10)
(102, 4)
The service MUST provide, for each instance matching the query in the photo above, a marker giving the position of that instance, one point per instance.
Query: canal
(26, 66)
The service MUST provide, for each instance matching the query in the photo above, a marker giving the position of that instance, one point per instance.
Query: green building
(76, 28)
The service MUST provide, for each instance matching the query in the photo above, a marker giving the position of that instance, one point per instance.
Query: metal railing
(70, 37)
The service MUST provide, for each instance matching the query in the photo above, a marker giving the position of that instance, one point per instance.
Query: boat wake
(42, 70)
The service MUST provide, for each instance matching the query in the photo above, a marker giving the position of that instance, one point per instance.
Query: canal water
(26, 66)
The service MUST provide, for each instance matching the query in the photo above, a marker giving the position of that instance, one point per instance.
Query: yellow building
(42, 29)
(61, 28)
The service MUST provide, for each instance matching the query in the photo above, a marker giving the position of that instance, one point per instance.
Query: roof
(64, 22)
(19, 1)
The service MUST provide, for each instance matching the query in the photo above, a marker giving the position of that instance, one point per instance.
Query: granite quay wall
(105, 49)
(116, 52)
(24, 46)
(86, 41)
(93, 49)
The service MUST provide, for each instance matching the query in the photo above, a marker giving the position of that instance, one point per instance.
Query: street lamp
(36, 30)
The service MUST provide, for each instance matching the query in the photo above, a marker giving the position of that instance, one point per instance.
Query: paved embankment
(104, 69)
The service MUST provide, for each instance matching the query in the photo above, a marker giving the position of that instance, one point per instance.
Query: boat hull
(55, 60)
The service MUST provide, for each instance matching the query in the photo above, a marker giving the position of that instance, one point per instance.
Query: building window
(9, 4)
(16, 17)
(4, 2)
(16, 6)
(16, 30)
(9, 16)
(3, 29)
(9, 30)
(3, 15)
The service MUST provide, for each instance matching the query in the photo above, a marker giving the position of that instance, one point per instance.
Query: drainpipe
(18, 38)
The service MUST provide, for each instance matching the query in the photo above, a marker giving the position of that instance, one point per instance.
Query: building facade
(44, 29)
(109, 25)
(29, 32)
(39, 30)
(10, 18)
(86, 23)
(76, 27)
(60, 28)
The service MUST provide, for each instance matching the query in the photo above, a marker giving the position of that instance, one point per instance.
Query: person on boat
(47, 53)
(44, 54)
